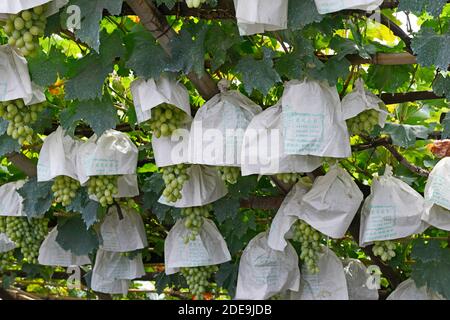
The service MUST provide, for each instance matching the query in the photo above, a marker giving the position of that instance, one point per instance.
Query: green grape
(65, 189)
(194, 220)
(309, 239)
(364, 123)
(230, 174)
(197, 279)
(384, 250)
(28, 235)
(166, 119)
(25, 28)
(288, 178)
(104, 188)
(20, 117)
(194, 3)
(174, 178)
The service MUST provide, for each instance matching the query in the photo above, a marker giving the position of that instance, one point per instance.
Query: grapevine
(166, 119)
(309, 239)
(194, 220)
(104, 188)
(384, 250)
(230, 174)
(288, 178)
(174, 178)
(25, 28)
(364, 122)
(197, 279)
(64, 189)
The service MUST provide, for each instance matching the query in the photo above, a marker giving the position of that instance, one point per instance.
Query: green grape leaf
(389, 78)
(302, 13)
(441, 86)
(227, 275)
(334, 69)
(8, 145)
(99, 115)
(227, 207)
(433, 7)
(432, 48)
(168, 3)
(218, 40)
(154, 183)
(446, 127)
(432, 267)
(112, 48)
(290, 66)
(37, 197)
(258, 74)
(73, 235)
(164, 281)
(3, 126)
(404, 135)
(91, 14)
(44, 120)
(89, 209)
(45, 69)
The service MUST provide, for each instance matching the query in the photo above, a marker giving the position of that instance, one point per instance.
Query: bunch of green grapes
(194, 220)
(65, 189)
(197, 279)
(104, 188)
(166, 118)
(230, 174)
(384, 250)
(5, 259)
(25, 28)
(28, 235)
(364, 122)
(288, 178)
(194, 3)
(309, 239)
(174, 178)
(20, 118)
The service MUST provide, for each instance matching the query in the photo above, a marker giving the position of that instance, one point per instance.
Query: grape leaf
(302, 13)
(389, 78)
(218, 40)
(441, 86)
(334, 69)
(227, 275)
(432, 267)
(258, 74)
(226, 207)
(3, 126)
(8, 145)
(91, 14)
(168, 281)
(168, 3)
(111, 48)
(100, 115)
(37, 197)
(75, 237)
(45, 69)
(404, 135)
(432, 48)
(154, 183)
(433, 7)
(89, 209)
(446, 126)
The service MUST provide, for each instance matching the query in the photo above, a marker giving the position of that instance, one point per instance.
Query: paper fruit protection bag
(264, 272)
(123, 232)
(100, 284)
(6, 244)
(203, 187)
(313, 122)
(263, 148)
(437, 196)
(117, 266)
(259, 16)
(218, 129)
(329, 284)
(58, 156)
(359, 283)
(8, 7)
(52, 254)
(392, 211)
(11, 201)
(328, 6)
(208, 248)
(331, 204)
(407, 290)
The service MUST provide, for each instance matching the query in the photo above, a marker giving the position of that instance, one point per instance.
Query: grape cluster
(194, 220)
(230, 174)
(26, 234)
(194, 3)
(309, 239)
(25, 28)
(197, 279)
(104, 188)
(64, 189)
(174, 178)
(5, 259)
(20, 118)
(166, 119)
(288, 178)
(384, 250)
(364, 122)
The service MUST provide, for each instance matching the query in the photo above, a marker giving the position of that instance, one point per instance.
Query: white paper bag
(407, 290)
(313, 122)
(392, 211)
(328, 6)
(6, 244)
(259, 16)
(359, 284)
(170, 151)
(208, 248)
(124, 235)
(57, 156)
(436, 216)
(218, 129)
(52, 254)
(15, 6)
(264, 272)
(149, 94)
(360, 100)
(284, 219)
(331, 204)
(11, 201)
(100, 284)
(328, 284)
(203, 187)
(116, 266)
(263, 150)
